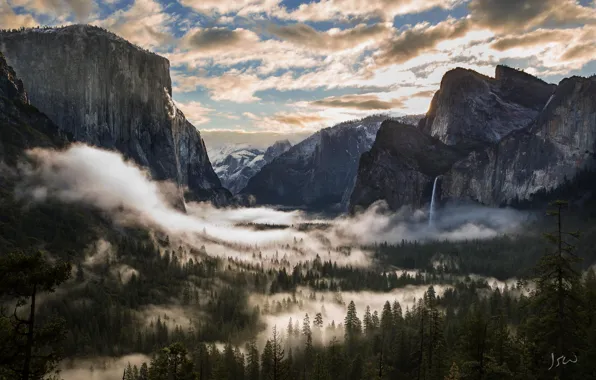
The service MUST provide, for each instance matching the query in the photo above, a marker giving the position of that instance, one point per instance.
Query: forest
(511, 307)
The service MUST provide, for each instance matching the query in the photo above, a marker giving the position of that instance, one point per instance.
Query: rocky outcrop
(401, 167)
(107, 92)
(240, 165)
(318, 173)
(559, 144)
(474, 109)
(547, 143)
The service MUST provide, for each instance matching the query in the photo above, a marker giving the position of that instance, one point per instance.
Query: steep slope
(318, 173)
(57, 228)
(532, 157)
(558, 145)
(109, 93)
(401, 167)
(240, 165)
(470, 108)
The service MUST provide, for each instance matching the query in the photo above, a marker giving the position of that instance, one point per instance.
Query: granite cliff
(470, 108)
(110, 93)
(528, 138)
(22, 126)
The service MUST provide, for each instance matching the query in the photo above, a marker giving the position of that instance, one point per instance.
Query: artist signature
(561, 359)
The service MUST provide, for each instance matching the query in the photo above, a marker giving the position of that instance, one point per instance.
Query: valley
(453, 245)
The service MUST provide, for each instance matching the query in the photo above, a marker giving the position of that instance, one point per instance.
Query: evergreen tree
(30, 349)
(556, 328)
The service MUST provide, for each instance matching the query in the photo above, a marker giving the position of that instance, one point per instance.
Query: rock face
(318, 173)
(401, 166)
(107, 92)
(529, 139)
(240, 165)
(22, 126)
(559, 144)
(471, 108)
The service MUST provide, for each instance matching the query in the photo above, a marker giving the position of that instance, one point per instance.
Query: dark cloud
(413, 42)
(305, 35)
(218, 38)
(508, 15)
(359, 102)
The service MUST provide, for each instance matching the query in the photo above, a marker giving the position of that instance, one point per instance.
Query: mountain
(319, 172)
(400, 166)
(491, 140)
(235, 167)
(110, 93)
(475, 109)
(22, 126)
(54, 227)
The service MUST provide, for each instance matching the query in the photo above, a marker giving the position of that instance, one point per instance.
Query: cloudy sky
(297, 66)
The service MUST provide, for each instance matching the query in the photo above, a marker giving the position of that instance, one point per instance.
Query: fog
(100, 368)
(126, 193)
(332, 306)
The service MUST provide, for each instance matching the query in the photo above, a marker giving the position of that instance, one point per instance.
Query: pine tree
(29, 349)
(252, 361)
(557, 328)
(367, 322)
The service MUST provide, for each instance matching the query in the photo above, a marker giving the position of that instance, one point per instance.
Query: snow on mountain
(235, 164)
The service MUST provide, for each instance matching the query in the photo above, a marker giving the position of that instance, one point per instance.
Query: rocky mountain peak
(277, 149)
(471, 108)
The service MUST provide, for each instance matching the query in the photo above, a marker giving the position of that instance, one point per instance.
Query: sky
(291, 66)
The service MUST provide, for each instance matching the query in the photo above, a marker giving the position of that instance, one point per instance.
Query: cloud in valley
(126, 194)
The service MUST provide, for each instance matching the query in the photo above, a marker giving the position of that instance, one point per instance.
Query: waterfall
(432, 203)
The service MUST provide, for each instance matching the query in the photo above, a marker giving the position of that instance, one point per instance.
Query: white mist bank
(127, 195)
(100, 368)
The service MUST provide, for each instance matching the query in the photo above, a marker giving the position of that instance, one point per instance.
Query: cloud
(212, 39)
(359, 102)
(196, 113)
(144, 23)
(581, 52)
(537, 37)
(81, 9)
(124, 193)
(10, 20)
(424, 94)
(215, 139)
(419, 39)
(242, 7)
(330, 40)
(510, 15)
(297, 119)
(323, 10)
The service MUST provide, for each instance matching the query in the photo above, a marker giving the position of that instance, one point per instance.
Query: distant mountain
(318, 173)
(235, 167)
(496, 141)
(107, 92)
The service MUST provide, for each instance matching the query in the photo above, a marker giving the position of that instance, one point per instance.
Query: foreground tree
(30, 348)
(555, 329)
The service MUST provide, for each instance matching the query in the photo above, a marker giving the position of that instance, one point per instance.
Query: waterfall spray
(432, 203)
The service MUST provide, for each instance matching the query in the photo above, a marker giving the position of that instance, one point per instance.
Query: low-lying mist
(126, 193)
